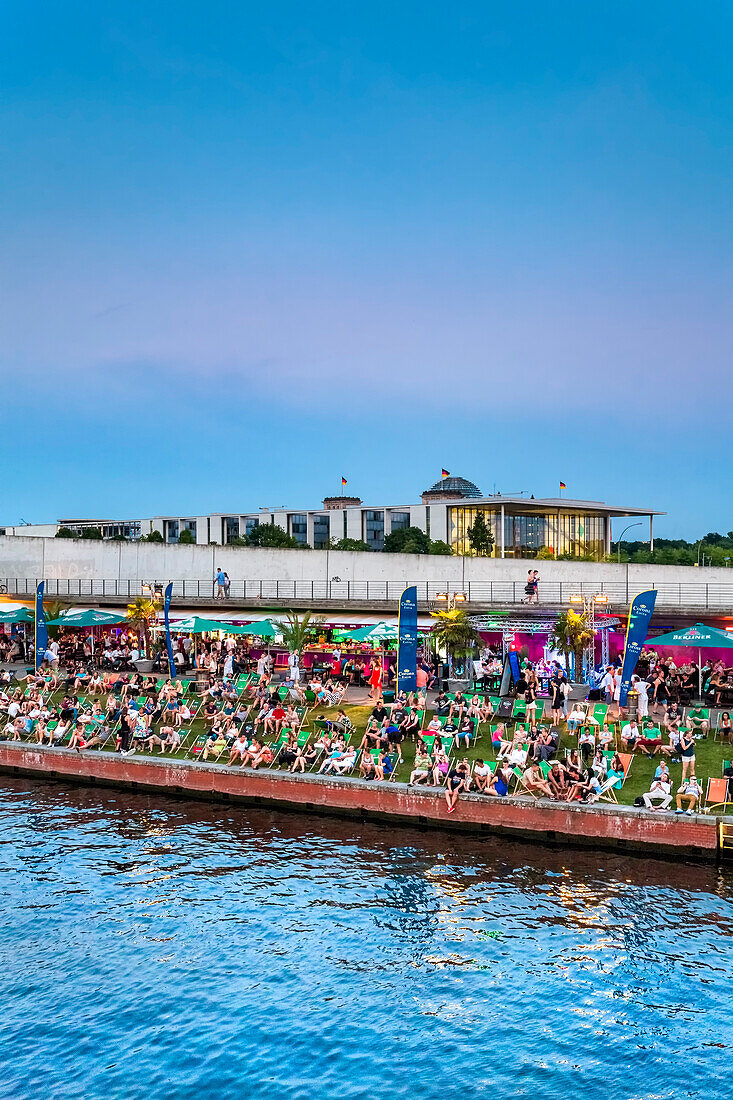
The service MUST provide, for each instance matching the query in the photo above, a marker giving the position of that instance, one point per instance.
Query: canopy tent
(697, 637)
(20, 615)
(88, 617)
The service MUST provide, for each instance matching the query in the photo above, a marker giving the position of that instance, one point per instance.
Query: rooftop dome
(455, 487)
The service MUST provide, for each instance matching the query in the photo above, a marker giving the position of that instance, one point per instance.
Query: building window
(231, 528)
(399, 520)
(321, 532)
(170, 530)
(427, 521)
(298, 524)
(345, 526)
(189, 525)
(374, 529)
(250, 523)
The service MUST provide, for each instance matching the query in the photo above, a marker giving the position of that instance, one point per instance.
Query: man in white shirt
(294, 667)
(661, 792)
(608, 683)
(630, 734)
(641, 687)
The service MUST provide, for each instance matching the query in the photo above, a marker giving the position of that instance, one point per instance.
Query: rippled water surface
(154, 948)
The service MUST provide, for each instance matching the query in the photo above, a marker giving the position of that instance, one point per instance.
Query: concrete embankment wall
(602, 826)
(72, 559)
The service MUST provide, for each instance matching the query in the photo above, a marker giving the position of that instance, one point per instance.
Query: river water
(155, 948)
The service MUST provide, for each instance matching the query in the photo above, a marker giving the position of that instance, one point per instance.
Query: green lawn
(709, 753)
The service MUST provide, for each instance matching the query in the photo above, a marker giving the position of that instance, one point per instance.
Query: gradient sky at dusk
(248, 249)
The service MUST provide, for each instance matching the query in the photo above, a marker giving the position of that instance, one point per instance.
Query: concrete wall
(69, 559)
(599, 826)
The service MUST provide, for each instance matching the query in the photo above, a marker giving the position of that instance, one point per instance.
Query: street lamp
(639, 524)
(450, 598)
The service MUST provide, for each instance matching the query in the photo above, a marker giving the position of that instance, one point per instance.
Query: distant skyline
(248, 250)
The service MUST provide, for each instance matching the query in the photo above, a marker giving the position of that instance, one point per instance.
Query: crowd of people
(82, 699)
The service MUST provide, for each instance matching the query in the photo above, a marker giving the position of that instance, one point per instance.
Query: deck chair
(520, 787)
(716, 794)
(519, 710)
(600, 713)
(607, 792)
(626, 759)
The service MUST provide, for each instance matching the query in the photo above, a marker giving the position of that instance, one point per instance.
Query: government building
(521, 525)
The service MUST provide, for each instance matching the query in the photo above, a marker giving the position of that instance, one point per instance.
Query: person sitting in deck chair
(346, 763)
(421, 771)
(535, 782)
(465, 733)
(690, 792)
(498, 785)
(169, 739)
(482, 775)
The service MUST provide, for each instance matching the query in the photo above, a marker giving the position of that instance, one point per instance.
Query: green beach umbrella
(379, 632)
(88, 618)
(265, 629)
(20, 615)
(195, 624)
(697, 637)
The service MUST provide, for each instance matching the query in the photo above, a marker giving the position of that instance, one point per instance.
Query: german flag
(444, 473)
(563, 485)
(344, 481)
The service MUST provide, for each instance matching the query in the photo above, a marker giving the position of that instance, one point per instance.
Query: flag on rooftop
(444, 473)
(344, 481)
(563, 485)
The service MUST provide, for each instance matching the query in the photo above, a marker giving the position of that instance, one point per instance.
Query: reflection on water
(156, 948)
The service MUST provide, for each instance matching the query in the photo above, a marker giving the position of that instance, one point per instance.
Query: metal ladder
(725, 839)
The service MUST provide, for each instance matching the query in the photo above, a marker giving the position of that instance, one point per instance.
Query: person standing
(641, 687)
(123, 738)
(227, 585)
(220, 579)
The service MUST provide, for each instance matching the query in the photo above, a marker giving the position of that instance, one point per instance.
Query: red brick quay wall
(617, 827)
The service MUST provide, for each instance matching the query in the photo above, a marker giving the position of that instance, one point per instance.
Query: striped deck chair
(519, 710)
(607, 792)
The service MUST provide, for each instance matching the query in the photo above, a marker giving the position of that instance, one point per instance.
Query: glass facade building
(526, 531)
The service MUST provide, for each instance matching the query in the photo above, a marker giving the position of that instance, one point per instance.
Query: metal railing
(702, 596)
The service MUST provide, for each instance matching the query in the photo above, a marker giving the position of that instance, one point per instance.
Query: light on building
(601, 597)
(442, 597)
(576, 599)
(459, 597)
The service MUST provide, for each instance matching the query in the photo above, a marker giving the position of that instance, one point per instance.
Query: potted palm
(297, 630)
(571, 635)
(142, 614)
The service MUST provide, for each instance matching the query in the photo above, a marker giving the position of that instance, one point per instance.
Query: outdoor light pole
(618, 544)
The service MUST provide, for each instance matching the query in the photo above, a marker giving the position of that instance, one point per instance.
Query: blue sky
(248, 249)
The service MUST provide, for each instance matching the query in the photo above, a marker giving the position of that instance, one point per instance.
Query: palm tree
(571, 634)
(142, 614)
(51, 610)
(297, 631)
(455, 634)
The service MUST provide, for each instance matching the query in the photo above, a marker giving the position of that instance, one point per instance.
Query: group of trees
(712, 549)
